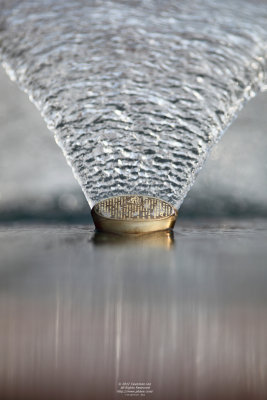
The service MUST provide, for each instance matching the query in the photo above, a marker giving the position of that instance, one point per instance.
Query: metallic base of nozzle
(133, 214)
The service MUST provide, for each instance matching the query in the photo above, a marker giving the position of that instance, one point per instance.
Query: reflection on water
(163, 239)
(77, 318)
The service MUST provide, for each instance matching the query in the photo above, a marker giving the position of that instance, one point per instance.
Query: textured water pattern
(136, 92)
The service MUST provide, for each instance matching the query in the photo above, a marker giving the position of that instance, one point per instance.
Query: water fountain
(136, 93)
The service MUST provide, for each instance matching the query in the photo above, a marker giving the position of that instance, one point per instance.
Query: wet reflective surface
(81, 312)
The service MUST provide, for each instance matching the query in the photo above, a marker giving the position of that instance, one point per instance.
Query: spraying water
(136, 92)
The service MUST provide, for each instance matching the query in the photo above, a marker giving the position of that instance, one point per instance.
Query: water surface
(81, 312)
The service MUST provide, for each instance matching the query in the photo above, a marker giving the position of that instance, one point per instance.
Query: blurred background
(37, 183)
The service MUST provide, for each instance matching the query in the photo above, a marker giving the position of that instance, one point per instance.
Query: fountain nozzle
(133, 214)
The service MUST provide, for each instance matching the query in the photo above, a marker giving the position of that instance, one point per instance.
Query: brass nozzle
(133, 214)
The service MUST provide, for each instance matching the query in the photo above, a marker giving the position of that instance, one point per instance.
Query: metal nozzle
(133, 214)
